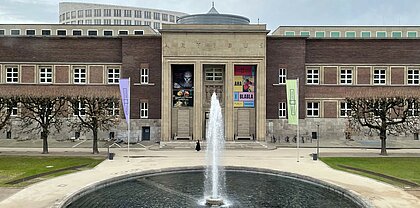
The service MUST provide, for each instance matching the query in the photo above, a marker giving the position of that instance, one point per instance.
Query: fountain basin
(183, 187)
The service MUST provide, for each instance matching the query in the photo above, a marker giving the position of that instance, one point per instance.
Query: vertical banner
(183, 85)
(292, 101)
(125, 96)
(244, 86)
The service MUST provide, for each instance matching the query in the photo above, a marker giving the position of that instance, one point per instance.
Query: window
(88, 22)
(289, 33)
(144, 110)
(117, 12)
(381, 34)
(156, 25)
(335, 34)
(345, 109)
(117, 22)
(397, 34)
(365, 34)
(138, 32)
(45, 32)
(92, 33)
(12, 75)
(379, 76)
(113, 75)
(61, 32)
(350, 34)
(319, 34)
(14, 32)
(107, 12)
(88, 13)
(282, 110)
(413, 76)
(107, 32)
(97, 21)
(97, 12)
(214, 74)
(137, 14)
(79, 75)
(73, 14)
(114, 109)
(312, 109)
(312, 75)
(304, 33)
(144, 76)
(107, 22)
(164, 17)
(45, 75)
(123, 32)
(171, 18)
(412, 34)
(282, 76)
(137, 22)
(80, 13)
(414, 109)
(79, 108)
(147, 15)
(147, 23)
(13, 110)
(346, 76)
(156, 15)
(67, 15)
(127, 22)
(1, 32)
(30, 32)
(80, 22)
(127, 13)
(77, 32)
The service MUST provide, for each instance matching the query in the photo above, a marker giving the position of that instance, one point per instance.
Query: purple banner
(125, 96)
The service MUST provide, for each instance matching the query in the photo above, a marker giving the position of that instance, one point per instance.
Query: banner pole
(297, 112)
(128, 123)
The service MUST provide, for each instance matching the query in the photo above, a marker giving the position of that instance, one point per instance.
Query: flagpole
(128, 123)
(297, 112)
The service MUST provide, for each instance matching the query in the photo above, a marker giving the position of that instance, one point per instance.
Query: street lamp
(317, 141)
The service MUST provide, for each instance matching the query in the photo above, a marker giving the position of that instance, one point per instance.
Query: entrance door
(145, 135)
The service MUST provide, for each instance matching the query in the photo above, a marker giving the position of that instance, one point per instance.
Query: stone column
(261, 101)
(229, 111)
(198, 99)
(166, 101)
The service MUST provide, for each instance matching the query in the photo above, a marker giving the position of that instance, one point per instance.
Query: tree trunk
(382, 136)
(95, 141)
(44, 137)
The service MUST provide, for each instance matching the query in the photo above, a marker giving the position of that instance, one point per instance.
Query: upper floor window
(113, 75)
(107, 22)
(123, 32)
(88, 13)
(79, 75)
(138, 32)
(14, 32)
(156, 15)
(397, 34)
(214, 74)
(127, 13)
(350, 34)
(92, 33)
(30, 32)
(137, 22)
(45, 32)
(381, 34)
(127, 22)
(413, 76)
(412, 34)
(147, 23)
(289, 33)
(144, 76)
(335, 34)
(171, 18)
(61, 32)
(305, 33)
(1, 32)
(80, 13)
(282, 75)
(107, 32)
(312, 109)
(346, 76)
(117, 22)
(117, 12)
(12, 75)
(107, 12)
(97, 12)
(164, 17)
(147, 15)
(45, 75)
(144, 110)
(319, 34)
(282, 110)
(156, 25)
(97, 21)
(365, 34)
(73, 14)
(379, 76)
(77, 32)
(137, 13)
(312, 75)
(345, 109)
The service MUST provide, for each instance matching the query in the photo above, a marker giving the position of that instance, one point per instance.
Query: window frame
(14, 74)
(44, 75)
(289, 33)
(92, 30)
(112, 33)
(119, 32)
(310, 76)
(77, 30)
(282, 110)
(395, 32)
(415, 32)
(61, 30)
(380, 79)
(81, 79)
(319, 32)
(12, 30)
(377, 32)
(345, 108)
(346, 74)
(338, 32)
(113, 76)
(413, 79)
(144, 75)
(365, 32)
(144, 110)
(114, 109)
(313, 109)
(26, 32)
(282, 75)
(350, 32)
(81, 109)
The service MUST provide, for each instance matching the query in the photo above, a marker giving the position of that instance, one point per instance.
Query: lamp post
(317, 141)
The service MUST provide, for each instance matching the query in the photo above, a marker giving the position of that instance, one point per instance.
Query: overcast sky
(272, 12)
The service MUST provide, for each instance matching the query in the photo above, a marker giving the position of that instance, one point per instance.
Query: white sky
(272, 12)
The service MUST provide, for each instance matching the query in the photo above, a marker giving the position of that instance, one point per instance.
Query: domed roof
(213, 18)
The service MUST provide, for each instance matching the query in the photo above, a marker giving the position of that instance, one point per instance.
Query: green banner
(292, 101)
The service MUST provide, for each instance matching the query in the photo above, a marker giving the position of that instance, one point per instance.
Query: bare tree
(95, 113)
(6, 108)
(384, 115)
(40, 114)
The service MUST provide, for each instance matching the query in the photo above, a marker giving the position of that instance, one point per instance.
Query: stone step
(228, 145)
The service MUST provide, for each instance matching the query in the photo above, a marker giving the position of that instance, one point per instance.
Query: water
(214, 182)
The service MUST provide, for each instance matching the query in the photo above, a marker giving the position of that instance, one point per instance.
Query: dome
(213, 18)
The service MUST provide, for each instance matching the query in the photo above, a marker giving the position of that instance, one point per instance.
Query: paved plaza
(53, 192)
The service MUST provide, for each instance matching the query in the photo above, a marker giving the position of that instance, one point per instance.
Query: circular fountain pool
(244, 188)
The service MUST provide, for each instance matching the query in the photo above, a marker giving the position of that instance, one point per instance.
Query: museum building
(174, 72)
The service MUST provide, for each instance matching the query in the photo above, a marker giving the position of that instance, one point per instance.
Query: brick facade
(28, 74)
(330, 75)
(397, 75)
(96, 74)
(61, 74)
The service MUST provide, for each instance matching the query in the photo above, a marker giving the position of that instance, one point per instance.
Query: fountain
(214, 176)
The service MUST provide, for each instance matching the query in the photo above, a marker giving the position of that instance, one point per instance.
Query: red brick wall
(363, 75)
(330, 75)
(143, 52)
(330, 109)
(62, 74)
(60, 49)
(28, 74)
(286, 53)
(354, 91)
(96, 74)
(397, 75)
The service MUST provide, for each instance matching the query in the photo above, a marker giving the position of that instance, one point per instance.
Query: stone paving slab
(53, 192)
